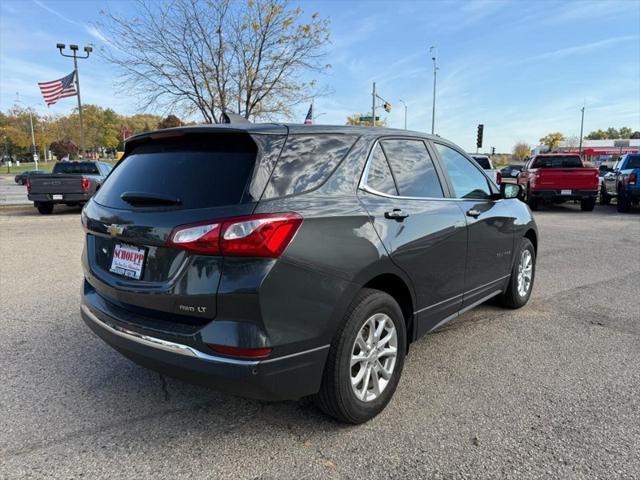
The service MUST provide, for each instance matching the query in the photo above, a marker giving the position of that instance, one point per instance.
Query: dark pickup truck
(70, 183)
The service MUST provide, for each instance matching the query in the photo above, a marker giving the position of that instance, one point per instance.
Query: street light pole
(405, 113)
(434, 55)
(74, 55)
(373, 106)
(581, 130)
(33, 137)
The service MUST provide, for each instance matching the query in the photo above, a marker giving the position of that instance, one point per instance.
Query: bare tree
(521, 151)
(211, 56)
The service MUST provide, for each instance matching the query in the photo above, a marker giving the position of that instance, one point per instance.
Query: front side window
(380, 178)
(412, 168)
(467, 180)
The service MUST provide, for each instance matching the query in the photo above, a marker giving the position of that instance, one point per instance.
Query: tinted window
(379, 177)
(557, 161)
(467, 180)
(633, 161)
(86, 168)
(483, 162)
(306, 162)
(412, 168)
(200, 174)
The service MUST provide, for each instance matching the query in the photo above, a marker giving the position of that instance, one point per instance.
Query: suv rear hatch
(167, 180)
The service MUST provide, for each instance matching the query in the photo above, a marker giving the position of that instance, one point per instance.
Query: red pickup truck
(557, 178)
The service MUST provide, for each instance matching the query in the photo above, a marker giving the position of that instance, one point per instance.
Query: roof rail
(230, 117)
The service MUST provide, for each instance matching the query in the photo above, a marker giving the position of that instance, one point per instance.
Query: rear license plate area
(128, 260)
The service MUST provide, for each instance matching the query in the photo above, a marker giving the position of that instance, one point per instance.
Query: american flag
(309, 119)
(57, 89)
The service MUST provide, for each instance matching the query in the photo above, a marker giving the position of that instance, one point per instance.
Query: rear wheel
(522, 276)
(45, 208)
(365, 360)
(587, 204)
(624, 202)
(531, 200)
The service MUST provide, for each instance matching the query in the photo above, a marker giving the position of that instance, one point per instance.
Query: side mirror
(511, 190)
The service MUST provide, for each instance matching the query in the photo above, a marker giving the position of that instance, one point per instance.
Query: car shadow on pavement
(30, 211)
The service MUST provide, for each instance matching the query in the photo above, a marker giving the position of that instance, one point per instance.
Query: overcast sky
(523, 69)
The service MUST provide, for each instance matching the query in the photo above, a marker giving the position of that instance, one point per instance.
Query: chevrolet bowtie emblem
(115, 229)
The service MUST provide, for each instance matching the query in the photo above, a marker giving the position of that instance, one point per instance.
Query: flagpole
(74, 50)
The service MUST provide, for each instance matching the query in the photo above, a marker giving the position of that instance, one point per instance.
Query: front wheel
(522, 275)
(365, 359)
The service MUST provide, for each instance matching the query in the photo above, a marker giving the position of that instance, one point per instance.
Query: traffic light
(387, 107)
(493, 150)
(479, 139)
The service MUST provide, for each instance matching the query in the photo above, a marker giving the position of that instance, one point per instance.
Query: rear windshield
(85, 168)
(633, 162)
(200, 174)
(483, 162)
(558, 161)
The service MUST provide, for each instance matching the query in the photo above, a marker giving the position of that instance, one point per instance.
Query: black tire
(45, 208)
(624, 202)
(336, 396)
(511, 298)
(587, 204)
(531, 200)
(605, 198)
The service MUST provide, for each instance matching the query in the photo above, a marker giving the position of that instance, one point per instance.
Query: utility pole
(434, 57)
(33, 137)
(581, 130)
(405, 114)
(373, 106)
(74, 55)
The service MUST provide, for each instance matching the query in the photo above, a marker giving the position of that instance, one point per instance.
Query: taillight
(498, 178)
(264, 235)
(86, 183)
(28, 184)
(633, 178)
(242, 352)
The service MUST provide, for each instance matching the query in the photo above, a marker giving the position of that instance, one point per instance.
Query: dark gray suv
(282, 261)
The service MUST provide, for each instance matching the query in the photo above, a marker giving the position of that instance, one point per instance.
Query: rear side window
(412, 168)
(379, 177)
(633, 162)
(199, 173)
(306, 162)
(84, 168)
(558, 161)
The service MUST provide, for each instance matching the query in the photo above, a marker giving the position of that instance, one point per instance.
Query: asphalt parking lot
(11, 193)
(548, 391)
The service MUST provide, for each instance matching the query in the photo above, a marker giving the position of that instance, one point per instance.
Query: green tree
(597, 135)
(612, 133)
(521, 151)
(169, 121)
(552, 140)
(626, 132)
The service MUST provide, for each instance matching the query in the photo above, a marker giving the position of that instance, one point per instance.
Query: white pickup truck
(485, 162)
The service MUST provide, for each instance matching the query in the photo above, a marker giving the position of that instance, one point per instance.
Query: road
(548, 391)
(11, 193)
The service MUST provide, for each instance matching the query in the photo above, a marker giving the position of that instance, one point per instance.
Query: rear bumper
(66, 197)
(558, 195)
(287, 377)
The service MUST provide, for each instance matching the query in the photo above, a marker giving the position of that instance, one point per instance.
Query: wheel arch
(533, 238)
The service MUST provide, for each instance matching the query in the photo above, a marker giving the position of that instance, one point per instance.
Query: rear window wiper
(144, 198)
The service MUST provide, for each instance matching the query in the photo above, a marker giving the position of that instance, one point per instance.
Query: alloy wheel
(525, 272)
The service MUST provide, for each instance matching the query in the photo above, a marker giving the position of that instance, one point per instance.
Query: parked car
(511, 171)
(70, 183)
(622, 183)
(21, 178)
(557, 178)
(282, 261)
(485, 162)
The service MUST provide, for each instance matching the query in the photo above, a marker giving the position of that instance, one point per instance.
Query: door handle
(473, 213)
(396, 214)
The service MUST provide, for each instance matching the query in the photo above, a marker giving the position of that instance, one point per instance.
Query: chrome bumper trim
(180, 348)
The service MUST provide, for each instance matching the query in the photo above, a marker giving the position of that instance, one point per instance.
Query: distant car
(557, 178)
(487, 165)
(622, 183)
(21, 178)
(511, 171)
(70, 183)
